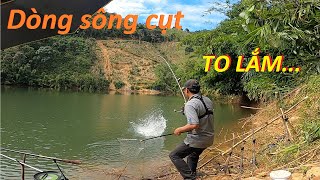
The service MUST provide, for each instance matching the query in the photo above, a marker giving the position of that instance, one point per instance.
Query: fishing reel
(180, 111)
(52, 175)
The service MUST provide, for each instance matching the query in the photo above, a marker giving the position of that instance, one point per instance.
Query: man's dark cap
(193, 85)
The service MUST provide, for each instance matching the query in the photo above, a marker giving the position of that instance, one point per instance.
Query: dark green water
(91, 128)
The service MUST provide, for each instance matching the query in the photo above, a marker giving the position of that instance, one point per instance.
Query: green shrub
(119, 84)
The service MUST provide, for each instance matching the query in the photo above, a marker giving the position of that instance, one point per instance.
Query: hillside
(61, 63)
(87, 64)
(129, 65)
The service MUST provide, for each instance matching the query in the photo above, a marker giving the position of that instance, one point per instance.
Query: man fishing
(199, 113)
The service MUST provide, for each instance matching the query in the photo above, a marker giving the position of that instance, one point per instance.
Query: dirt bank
(271, 147)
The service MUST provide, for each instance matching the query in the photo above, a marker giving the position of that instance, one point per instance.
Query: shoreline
(269, 147)
(222, 99)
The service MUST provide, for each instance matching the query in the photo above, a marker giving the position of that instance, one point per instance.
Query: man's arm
(192, 118)
(186, 128)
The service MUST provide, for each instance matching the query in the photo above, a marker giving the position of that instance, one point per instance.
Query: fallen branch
(247, 107)
(239, 136)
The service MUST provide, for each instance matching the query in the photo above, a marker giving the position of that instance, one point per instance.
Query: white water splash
(152, 125)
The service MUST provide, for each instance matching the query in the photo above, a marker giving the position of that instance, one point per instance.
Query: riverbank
(271, 150)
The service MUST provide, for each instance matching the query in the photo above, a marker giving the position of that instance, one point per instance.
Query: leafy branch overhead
(278, 27)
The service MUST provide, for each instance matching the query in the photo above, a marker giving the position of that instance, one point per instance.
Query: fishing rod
(158, 137)
(22, 163)
(183, 96)
(175, 77)
(45, 157)
(41, 175)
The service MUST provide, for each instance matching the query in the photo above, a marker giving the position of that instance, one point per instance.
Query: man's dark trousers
(187, 170)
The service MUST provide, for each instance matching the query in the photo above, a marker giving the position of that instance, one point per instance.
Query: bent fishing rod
(45, 157)
(175, 77)
(184, 98)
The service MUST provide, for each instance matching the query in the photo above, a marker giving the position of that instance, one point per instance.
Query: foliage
(260, 88)
(311, 130)
(288, 27)
(175, 34)
(188, 50)
(305, 129)
(280, 27)
(165, 81)
(58, 62)
(119, 84)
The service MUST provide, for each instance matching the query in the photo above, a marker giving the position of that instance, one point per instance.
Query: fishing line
(183, 96)
(130, 153)
(126, 141)
(175, 77)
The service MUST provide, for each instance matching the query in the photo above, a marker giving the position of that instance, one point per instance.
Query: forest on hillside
(278, 27)
(71, 61)
(58, 63)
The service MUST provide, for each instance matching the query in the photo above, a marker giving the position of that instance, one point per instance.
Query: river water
(101, 130)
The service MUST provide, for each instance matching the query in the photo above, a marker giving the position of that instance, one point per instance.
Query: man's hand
(177, 132)
(186, 128)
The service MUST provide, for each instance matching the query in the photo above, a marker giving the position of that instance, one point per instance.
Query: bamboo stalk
(232, 139)
(233, 154)
(204, 156)
(218, 145)
(209, 161)
(262, 127)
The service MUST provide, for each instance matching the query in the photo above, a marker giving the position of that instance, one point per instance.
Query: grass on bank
(304, 149)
